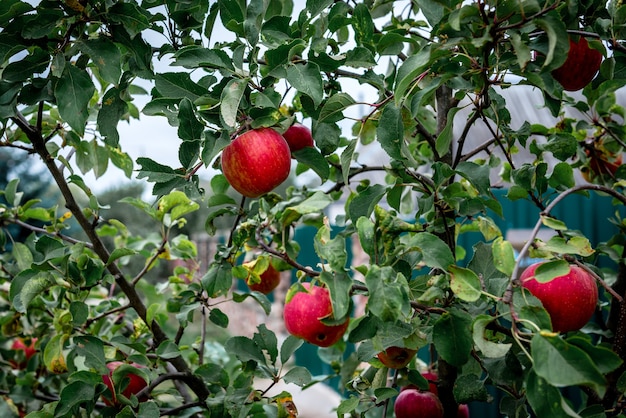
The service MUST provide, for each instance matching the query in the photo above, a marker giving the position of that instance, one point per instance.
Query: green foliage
(120, 277)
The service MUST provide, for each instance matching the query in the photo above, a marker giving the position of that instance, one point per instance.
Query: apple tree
(414, 83)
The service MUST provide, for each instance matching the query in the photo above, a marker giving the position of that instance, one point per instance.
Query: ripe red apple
(463, 411)
(570, 299)
(580, 67)
(270, 278)
(19, 344)
(131, 383)
(304, 312)
(298, 136)
(432, 381)
(413, 403)
(256, 162)
(396, 357)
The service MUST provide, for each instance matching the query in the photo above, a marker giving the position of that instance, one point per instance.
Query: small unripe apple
(580, 67)
(396, 357)
(298, 136)
(304, 313)
(19, 344)
(131, 384)
(270, 278)
(413, 403)
(256, 162)
(570, 300)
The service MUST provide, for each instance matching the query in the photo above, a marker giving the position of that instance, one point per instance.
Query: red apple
(298, 136)
(570, 299)
(304, 313)
(580, 67)
(29, 350)
(131, 383)
(396, 357)
(256, 162)
(413, 403)
(270, 278)
(432, 378)
(432, 381)
(463, 411)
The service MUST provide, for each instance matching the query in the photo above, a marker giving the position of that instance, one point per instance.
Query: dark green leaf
(266, 340)
(546, 400)
(298, 375)
(245, 349)
(306, 78)
(73, 92)
(362, 203)
(562, 364)
(340, 285)
(72, 395)
(217, 279)
(434, 251)
(230, 99)
(452, 336)
(219, 318)
(390, 131)
(189, 128)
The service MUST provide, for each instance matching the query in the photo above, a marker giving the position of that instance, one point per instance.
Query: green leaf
(167, 350)
(551, 269)
(255, 12)
(553, 223)
(91, 349)
(298, 375)
(176, 204)
(307, 79)
(178, 86)
(315, 7)
(452, 337)
(388, 293)
(490, 349)
(465, 284)
(545, 400)
(602, 356)
(72, 395)
(390, 131)
(24, 291)
(230, 100)
(332, 110)
(503, 256)
(409, 71)
(575, 245)
(562, 364)
(363, 202)
(148, 409)
(315, 203)
(217, 279)
(434, 251)
(112, 110)
(444, 139)
(245, 349)
(362, 24)
(219, 318)
(22, 255)
(266, 340)
(106, 56)
(133, 18)
(468, 388)
(195, 56)
(339, 285)
(73, 92)
(331, 250)
(289, 347)
(118, 253)
(189, 128)
(53, 356)
(312, 158)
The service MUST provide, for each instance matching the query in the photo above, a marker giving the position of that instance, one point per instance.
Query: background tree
(429, 75)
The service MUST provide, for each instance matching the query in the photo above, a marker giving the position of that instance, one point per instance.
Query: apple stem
(600, 280)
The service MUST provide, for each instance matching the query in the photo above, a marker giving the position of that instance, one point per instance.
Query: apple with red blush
(307, 307)
(414, 403)
(26, 347)
(570, 299)
(256, 162)
(269, 280)
(298, 137)
(126, 385)
(580, 67)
